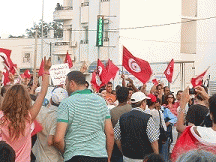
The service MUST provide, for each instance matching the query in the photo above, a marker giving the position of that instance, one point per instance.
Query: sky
(18, 15)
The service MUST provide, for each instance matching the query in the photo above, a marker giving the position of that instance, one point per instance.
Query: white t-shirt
(48, 118)
(207, 134)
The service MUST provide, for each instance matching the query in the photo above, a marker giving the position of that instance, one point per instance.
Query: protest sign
(58, 73)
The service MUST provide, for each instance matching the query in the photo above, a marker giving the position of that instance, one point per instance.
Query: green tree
(57, 26)
(20, 36)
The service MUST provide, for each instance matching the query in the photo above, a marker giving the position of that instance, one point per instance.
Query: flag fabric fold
(41, 70)
(155, 82)
(5, 77)
(5, 54)
(102, 72)
(169, 71)
(112, 70)
(27, 74)
(136, 66)
(68, 60)
(198, 81)
(95, 81)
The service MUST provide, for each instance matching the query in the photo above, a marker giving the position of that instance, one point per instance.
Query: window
(26, 58)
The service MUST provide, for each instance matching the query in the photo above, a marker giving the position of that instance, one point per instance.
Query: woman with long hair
(17, 115)
(170, 103)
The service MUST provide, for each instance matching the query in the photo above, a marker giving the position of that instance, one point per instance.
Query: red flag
(169, 71)
(68, 60)
(41, 70)
(27, 74)
(198, 80)
(112, 70)
(102, 72)
(136, 66)
(5, 54)
(95, 81)
(155, 82)
(5, 78)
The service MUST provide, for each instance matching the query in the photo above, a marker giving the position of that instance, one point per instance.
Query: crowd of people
(125, 124)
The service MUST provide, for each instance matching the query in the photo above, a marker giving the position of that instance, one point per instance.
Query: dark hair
(130, 89)
(87, 84)
(150, 103)
(77, 76)
(159, 85)
(117, 87)
(166, 98)
(3, 91)
(212, 107)
(153, 158)
(122, 94)
(165, 88)
(7, 153)
(180, 91)
(102, 89)
(109, 83)
(137, 104)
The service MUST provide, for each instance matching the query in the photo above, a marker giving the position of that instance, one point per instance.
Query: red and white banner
(169, 71)
(136, 66)
(5, 54)
(198, 80)
(95, 81)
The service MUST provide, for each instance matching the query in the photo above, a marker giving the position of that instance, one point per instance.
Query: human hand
(200, 90)
(123, 76)
(130, 80)
(47, 64)
(185, 96)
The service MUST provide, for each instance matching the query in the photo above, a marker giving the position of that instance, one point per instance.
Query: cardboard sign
(58, 73)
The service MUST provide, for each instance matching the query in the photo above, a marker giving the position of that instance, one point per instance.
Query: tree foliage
(56, 26)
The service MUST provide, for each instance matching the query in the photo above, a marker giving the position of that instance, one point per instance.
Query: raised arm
(181, 116)
(39, 101)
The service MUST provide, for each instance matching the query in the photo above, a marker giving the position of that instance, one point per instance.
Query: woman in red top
(171, 104)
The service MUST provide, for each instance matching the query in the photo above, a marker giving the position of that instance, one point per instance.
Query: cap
(152, 97)
(138, 96)
(58, 95)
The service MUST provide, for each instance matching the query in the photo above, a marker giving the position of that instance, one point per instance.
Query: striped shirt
(85, 114)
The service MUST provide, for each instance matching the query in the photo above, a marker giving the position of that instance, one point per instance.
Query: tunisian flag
(5, 54)
(136, 66)
(5, 76)
(198, 80)
(27, 74)
(41, 70)
(155, 82)
(95, 81)
(112, 70)
(169, 71)
(68, 60)
(102, 72)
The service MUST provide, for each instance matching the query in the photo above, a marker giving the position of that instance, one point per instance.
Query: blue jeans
(165, 150)
(116, 155)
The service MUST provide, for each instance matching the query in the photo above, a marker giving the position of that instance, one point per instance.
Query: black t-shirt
(196, 114)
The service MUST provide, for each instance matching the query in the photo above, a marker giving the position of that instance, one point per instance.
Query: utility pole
(42, 30)
(35, 54)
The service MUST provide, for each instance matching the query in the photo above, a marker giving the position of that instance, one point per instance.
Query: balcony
(61, 48)
(63, 13)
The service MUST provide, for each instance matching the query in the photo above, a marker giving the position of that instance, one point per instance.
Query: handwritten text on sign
(58, 73)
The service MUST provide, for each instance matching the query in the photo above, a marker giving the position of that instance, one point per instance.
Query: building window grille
(26, 58)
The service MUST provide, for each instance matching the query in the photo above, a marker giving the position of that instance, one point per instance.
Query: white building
(23, 50)
(154, 30)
